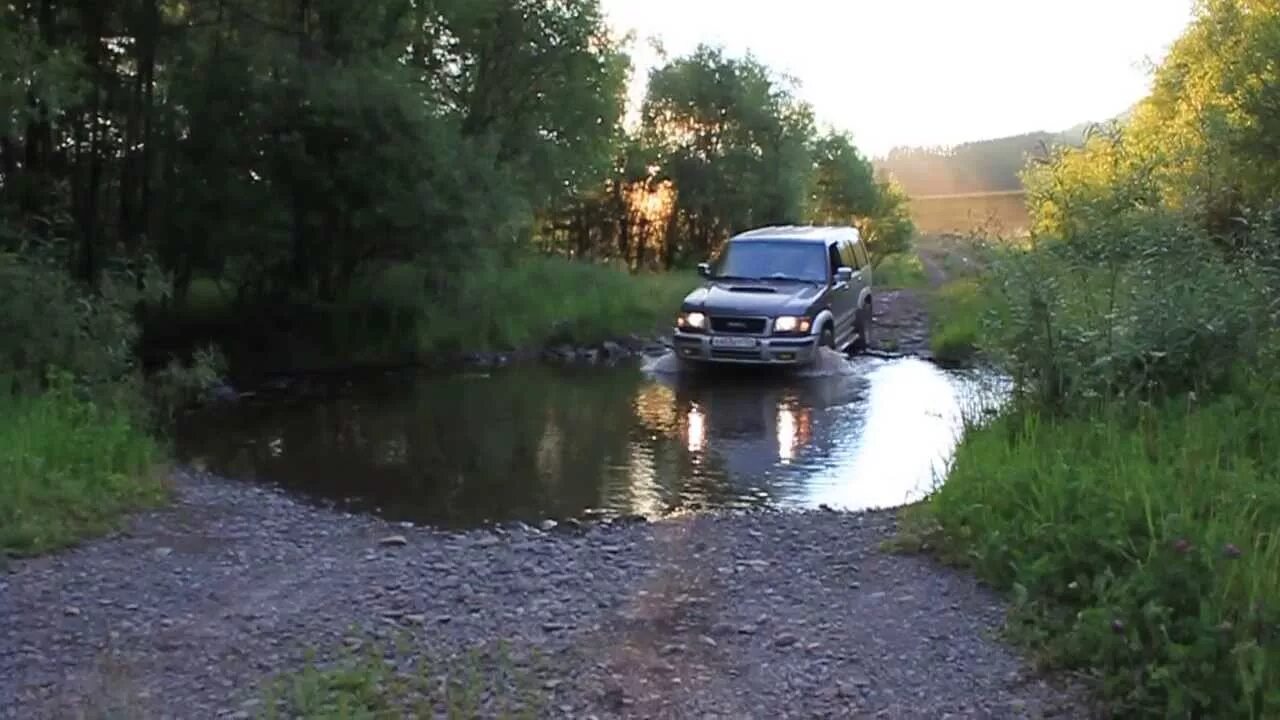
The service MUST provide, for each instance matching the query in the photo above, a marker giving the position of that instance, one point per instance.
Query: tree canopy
(1203, 147)
(284, 147)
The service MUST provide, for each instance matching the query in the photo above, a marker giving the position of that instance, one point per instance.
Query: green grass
(396, 679)
(538, 300)
(900, 270)
(69, 469)
(1139, 541)
(955, 320)
(388, 317)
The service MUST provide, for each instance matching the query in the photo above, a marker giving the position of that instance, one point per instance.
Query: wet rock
(548, 525)
(394, 541)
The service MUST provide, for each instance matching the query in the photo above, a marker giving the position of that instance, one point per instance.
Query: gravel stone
(640, 619)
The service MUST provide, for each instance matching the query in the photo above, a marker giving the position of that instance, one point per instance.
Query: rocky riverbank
(764, 615)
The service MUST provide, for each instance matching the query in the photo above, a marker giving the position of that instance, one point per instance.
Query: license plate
(734, 342)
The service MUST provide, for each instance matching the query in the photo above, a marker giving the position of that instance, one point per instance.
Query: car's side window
(850, 257)
(862, 255)
(836, 260)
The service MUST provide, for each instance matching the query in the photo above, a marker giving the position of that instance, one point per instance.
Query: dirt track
(766, 615)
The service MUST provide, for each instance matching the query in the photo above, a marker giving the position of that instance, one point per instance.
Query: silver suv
(777, 294)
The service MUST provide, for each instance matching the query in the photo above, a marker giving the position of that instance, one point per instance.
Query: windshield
(767, 260)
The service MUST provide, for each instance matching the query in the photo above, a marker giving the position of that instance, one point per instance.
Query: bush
(70, 466)
(956, 313)
(1157, 311)
(1139, 541)
(47, 320)
(889, 228)
(900, 270)
(519, 304)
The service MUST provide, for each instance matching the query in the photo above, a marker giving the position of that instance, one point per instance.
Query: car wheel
(864, 330)
(828, 337)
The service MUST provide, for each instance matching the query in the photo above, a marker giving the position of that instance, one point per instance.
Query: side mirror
(704, 269)
(844, 274)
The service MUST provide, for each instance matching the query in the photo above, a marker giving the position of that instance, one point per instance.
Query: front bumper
(699, 347)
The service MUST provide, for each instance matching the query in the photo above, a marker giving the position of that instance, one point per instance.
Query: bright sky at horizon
(928, 72)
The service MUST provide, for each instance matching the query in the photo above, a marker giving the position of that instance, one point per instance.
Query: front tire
(863, 328)
(828, 338)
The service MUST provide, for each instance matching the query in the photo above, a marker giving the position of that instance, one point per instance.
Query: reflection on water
(542, 442)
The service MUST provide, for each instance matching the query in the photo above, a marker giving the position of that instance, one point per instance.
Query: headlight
(691, 321)
(791, 324)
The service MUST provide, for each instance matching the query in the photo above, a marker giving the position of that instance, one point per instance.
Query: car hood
(752, 297)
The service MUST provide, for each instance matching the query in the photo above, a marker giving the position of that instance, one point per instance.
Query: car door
(862, 269)
(861, 281)
(844, 298)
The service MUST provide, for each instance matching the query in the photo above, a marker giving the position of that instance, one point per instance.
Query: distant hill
(974, 167)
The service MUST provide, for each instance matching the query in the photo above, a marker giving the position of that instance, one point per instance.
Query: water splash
(829, 363)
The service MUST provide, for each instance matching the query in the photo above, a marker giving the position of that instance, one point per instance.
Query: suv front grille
(738, 326)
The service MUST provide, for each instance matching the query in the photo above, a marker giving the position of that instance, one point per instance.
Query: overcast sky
(929, 72)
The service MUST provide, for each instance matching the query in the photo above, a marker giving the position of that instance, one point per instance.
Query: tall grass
(956, 311)
(69, 467)
(900, 270)
(1140, 540)
(1128, 496)
(406, 313)
(534, 301)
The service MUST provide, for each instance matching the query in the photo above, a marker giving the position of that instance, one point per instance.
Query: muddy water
(533, 443)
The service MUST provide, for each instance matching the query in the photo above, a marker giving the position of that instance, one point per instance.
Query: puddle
(531, 443)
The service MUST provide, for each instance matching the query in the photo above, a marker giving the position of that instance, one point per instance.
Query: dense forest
(285, 147)
(982, 166)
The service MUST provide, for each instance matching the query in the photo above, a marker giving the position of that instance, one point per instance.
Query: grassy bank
(900, 270)
(532, 302)
(1139, 542)
(69, 469)
(956, 310)
(1127, 497)
(388, 316)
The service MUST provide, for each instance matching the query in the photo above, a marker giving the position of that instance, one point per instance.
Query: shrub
(522, 303)
(1139, 541)
(1157, 311)
(900, 270)
(956, 313)
(48, 320)
(70, 466)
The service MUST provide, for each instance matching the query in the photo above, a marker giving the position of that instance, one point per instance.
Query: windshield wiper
(735, 277)
(792, 278)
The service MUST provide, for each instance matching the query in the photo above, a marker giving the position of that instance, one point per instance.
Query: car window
(836, 260)
(765, 259)
(864, 261)
(849, 256)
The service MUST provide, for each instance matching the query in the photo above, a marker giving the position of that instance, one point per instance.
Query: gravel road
(735, 616)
